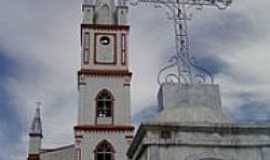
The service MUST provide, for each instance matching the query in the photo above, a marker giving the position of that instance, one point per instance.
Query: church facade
(103, 130)
(191, 124)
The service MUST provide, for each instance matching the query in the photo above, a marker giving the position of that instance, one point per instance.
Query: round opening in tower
(104, 40)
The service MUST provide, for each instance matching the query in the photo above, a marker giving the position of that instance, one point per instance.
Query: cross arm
(221, 4)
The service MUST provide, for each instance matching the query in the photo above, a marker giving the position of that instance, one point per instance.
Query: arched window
(104, 151)
(104, 104)
(105, 10)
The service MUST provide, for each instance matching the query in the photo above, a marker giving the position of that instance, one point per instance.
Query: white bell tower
(103, 130)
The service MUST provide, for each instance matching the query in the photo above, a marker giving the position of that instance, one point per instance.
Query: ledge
(111, 128)
(231, 128)
(117, 73)
(105, 26)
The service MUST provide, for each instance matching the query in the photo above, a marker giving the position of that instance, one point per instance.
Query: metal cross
(187, 71)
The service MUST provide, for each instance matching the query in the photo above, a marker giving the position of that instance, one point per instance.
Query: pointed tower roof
(36, 128)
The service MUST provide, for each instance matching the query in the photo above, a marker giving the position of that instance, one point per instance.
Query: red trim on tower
(103, 128)
(106, 27)
(116, 73)
(103, 27)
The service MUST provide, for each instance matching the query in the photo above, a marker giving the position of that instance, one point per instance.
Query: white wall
(34, 145)
(117, 139)
(121, 95)
(191, 153)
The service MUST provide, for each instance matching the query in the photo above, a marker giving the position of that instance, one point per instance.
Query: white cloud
(249, 73)
(44, 36)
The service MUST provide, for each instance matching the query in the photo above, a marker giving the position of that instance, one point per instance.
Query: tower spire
(35, 136)
(36, 127)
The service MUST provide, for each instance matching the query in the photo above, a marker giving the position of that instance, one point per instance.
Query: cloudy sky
(40, 54)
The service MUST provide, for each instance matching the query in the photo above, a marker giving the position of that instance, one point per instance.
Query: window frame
(109, 107)
(86, 48)
(104, 153)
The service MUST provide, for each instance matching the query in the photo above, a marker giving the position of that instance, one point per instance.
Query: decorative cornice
(105, 27)
(117, 73)
(111, 128)
(222, 128)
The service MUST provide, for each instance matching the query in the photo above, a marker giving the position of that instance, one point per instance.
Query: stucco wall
(197, 153)
(34, 145)
(202, 141)
(88, 93)
(190, 103)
